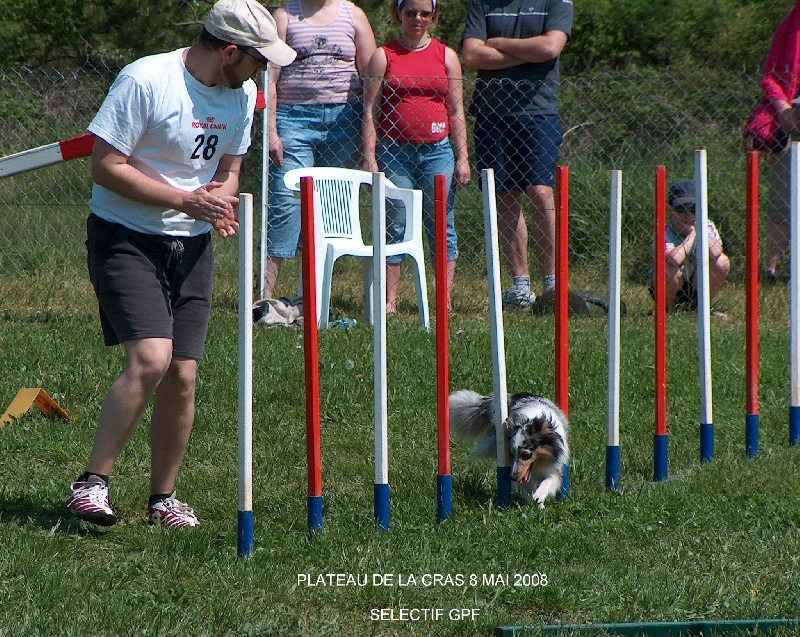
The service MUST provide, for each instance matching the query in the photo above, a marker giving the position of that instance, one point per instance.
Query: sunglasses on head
(413, 14)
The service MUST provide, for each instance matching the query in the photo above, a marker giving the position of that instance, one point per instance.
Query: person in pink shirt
(314, 109)
(772, 125)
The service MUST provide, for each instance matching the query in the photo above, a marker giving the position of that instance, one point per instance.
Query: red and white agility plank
(47, 155)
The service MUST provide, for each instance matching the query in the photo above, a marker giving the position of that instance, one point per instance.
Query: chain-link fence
(629, 120)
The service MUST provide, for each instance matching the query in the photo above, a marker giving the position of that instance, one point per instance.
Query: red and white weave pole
(66, 149)
(47, 155)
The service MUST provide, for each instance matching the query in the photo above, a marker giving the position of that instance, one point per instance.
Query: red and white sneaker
(89, 501)
(171, 513)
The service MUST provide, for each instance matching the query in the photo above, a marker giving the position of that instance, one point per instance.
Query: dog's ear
(535, 425)
(545, 424)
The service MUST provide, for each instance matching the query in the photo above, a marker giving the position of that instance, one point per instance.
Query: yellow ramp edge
(28, 396)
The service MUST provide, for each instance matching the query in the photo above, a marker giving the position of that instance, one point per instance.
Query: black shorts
(151, 286)
(522, 149)
(686, 295)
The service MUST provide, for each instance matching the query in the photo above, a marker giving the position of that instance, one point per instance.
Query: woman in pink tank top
(413, 121)
(314, 108)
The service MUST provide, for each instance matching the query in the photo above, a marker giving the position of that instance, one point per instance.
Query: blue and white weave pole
(704, 306)
(497, 337)
(381, 502)
(794, 296)
(614, 280)
(245, 516)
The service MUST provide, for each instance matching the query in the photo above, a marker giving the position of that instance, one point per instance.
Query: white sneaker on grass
(171, 513)
(88, 500)
(516, 299)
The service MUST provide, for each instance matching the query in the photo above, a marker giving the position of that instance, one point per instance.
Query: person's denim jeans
(312, 135)
(414, 166)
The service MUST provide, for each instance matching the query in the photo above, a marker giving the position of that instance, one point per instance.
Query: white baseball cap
(248, 23)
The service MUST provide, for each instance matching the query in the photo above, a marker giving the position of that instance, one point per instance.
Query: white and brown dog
(537, 434)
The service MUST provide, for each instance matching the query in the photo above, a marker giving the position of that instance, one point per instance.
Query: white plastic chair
(337, 232)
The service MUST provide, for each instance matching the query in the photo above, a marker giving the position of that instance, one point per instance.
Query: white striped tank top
(324, 71)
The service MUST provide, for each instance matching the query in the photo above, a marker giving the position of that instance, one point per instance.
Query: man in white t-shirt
(171, 136)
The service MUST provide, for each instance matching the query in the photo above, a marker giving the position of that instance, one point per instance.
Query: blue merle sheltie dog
(537, 434)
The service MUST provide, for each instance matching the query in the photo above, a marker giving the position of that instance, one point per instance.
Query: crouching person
(680, 252)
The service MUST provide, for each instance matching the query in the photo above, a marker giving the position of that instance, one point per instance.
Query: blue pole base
(314, 515)
(794, 425)
(504, 487)
(612, 467)
(244, 534)
(563, 492)
(382, 506)
(706, 442)
(444, 498)
(660, 457)
(751, 435)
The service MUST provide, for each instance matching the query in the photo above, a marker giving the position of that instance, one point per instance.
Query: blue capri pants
(312, 135)
(414, 166)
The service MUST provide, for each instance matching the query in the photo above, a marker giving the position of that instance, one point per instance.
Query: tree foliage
(713, 33)
(54, 32)
(606, 34)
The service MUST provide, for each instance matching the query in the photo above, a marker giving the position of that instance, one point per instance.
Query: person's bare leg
(673, 283)
(393, 271)
(451, 275)
(271, 270)
(777, 243)
(123, 406)
(543, 228)
(171, 424)
(513, 231)
(717, 275)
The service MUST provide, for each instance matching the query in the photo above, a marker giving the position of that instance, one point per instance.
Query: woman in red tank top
(414, 125)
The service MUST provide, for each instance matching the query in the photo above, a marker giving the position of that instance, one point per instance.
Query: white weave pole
(245, 516)
(794, 296)
(703, 305)
(381, 496)
(497, 336)
(614, 295)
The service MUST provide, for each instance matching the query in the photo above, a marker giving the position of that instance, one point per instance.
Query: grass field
(715, 541)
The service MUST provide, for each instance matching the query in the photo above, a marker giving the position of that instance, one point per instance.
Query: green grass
(715, 541)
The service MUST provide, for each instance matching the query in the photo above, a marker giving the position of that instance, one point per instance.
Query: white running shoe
(89, 501)
(171, 513)
(516, 299)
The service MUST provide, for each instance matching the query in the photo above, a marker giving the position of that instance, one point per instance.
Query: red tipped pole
(660, 471)
(444, 505)
(311, 352)
(751, 283)
(47, 155)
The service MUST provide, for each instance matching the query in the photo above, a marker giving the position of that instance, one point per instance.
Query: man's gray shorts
(151, 286)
